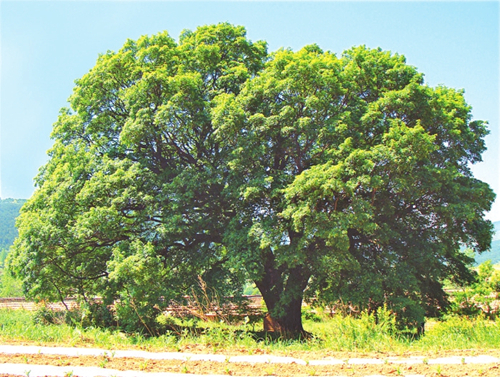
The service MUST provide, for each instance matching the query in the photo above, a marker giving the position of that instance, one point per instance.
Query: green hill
(9, 210)
(493, 254)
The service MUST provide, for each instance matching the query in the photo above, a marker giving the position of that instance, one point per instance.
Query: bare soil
(248, 369)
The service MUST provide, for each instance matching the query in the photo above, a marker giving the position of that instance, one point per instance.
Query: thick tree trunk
(289, 323)
(282, 290)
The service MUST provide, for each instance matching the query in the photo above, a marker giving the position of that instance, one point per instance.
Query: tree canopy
(339, 178)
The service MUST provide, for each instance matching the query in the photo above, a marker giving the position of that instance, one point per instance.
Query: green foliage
(481, 297)
(484, 272)
(493, 254)
(9, 285)
(87, 315)
(250, 289)
(344, 177)
(494, 280)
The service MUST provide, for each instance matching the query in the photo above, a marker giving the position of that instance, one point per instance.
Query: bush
(310, 315)
(96, 314)
(480, 297)
(92, 314)
(46, 316)
(9, 286)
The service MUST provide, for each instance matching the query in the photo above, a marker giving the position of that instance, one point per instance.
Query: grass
(330, 334)
(462, 333)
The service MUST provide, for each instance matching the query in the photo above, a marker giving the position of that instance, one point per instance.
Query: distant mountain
(494, 253)
(9, 210)
(496, 237)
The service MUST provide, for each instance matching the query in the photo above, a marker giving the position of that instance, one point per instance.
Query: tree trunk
(289, 323)
(282, 290)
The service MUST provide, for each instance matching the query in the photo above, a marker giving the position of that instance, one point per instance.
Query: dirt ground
(247, 369)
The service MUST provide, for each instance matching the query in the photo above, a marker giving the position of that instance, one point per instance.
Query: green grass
(329, 334)
(462, 333)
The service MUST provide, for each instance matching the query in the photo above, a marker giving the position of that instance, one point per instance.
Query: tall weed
(368, 333)
(456, 332)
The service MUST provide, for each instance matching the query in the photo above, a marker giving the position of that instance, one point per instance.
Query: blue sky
(46, 45)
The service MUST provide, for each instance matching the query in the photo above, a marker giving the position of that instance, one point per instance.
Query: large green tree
(340, 178)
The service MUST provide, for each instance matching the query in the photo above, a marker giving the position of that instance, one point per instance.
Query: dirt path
(447, 364)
